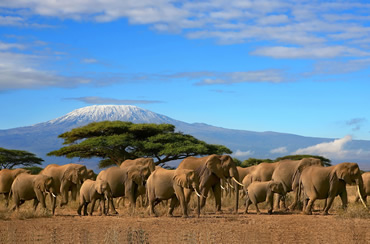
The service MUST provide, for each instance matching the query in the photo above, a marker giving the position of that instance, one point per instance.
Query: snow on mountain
(110, 112)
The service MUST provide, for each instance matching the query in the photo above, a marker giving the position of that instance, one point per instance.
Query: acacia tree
(325, 161)
(10, 158)
(116, 141)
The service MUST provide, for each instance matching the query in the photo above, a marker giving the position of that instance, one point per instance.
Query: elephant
(243, 172)
(258, 192)
(68, 177)
(7, 177)
(90, 192)
(260, 172)
(164, 184)
(90, 175)
(27, 187)
(144, 162)
(288, 172)
(327, 182)
(210, 170)
(124, 182)
(366, 186)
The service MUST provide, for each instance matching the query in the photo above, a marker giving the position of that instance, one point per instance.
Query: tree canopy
(325, 161)
(10, 158)
(116, 141)
(254, 161)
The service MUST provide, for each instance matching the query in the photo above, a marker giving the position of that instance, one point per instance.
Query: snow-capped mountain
(109, 112)
(42, 138)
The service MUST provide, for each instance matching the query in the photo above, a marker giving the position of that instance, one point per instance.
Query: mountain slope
(43, 137)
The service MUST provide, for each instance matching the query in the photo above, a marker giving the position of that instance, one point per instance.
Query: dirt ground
(139, 227)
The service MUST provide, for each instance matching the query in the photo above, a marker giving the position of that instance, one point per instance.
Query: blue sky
(298, 67)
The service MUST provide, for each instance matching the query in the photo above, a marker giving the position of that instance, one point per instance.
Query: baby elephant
(262, 191)
(27, 187)
(90, 192)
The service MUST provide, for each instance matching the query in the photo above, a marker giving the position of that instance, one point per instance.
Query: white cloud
(239, 153)
(89, 61)
(21, 71)
(279, 150)
(309, 52)
(6, 46)
(279, 22)
(334, 149)
(104, 100)
(272, 75)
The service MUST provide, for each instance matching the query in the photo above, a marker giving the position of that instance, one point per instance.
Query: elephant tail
(300, 187)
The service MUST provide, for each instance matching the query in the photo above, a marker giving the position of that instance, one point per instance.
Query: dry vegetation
(136, 226)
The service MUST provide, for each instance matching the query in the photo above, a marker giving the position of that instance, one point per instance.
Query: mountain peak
(97, 113)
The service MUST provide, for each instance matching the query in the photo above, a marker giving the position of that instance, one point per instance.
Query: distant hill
(43, 137)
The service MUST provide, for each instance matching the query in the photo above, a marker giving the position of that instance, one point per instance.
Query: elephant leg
(79, 208)
(308, 209)
(305, 201)
(270, 202)
(6, 196)
(93, 206)
(247, 203)
(35, 204)
(277, 201)
(151, 207)
(85, 208)
(217, 192)
(64, 200)
(330, 201)
(74, 193)
(119, 201)
(111, 204)
(187, 194)
(174, 202)
(282, 203)
(257, 209)
(181, 197)
(344, 198)
(295, 201)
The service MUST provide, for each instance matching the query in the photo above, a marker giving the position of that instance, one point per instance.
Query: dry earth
(138, 227)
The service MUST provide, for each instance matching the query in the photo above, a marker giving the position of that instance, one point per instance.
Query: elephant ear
(99, 186)
(213, 164)
(343, 172)
(276, 187)
(71, 174)
(133, 173)
(183, 177)
(39, 183)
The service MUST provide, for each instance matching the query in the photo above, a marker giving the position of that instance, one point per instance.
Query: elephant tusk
(230, 185)
(223, 188)
(199, 195)
(362, 200)
(106, 198)
(237, 181)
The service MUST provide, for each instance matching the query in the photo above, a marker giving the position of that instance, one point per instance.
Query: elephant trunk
(235, 177)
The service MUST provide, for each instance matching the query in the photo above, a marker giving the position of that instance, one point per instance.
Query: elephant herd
(307, 178)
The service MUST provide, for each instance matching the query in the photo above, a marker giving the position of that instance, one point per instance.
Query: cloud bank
(102, 100)
(335, 149)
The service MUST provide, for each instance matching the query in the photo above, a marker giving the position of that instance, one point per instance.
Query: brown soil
(209, 228)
